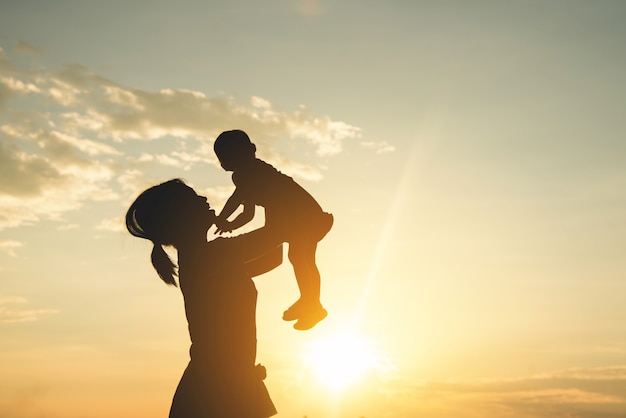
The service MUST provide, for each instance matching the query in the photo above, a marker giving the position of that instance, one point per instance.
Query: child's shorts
(304, 228)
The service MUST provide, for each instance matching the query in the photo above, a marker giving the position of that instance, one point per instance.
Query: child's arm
(233, 202)
(243, 218)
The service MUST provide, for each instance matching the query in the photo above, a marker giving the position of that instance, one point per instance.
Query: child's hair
(150, 217)
(233, 147)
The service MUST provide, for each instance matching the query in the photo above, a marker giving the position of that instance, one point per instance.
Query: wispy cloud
(580, 393)
(9, 247)
(381, 147)
(68, 136)
(112, 224)
(67, 227)
(11, 310)
(26, 48)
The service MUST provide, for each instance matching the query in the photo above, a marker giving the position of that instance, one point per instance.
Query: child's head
(234, 148)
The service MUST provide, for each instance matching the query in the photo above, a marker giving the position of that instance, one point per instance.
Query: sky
(473, 154)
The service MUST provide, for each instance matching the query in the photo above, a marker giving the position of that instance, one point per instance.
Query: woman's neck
(192, 241)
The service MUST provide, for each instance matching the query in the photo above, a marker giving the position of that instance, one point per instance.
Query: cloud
(11, 314)
(580, 393)
(48, 183)
(26, 48)
(260, 102)
(9, 247)
(295, 169)
(382, 147)
(130, 181)
(598, 373)
(24, 174)
(67, 227)
(217, 196)
(164, 159)
(111, 224)
(11, 299)
(18, 86)
(72, 136)
(122, 113)
(326, 134)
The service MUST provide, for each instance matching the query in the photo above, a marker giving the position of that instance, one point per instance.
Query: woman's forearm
(266, 262)
(256, 243)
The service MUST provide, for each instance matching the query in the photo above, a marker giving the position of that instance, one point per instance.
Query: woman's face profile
(196, 207)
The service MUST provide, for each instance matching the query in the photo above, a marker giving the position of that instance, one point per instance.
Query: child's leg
(302, 257)
(308, 309)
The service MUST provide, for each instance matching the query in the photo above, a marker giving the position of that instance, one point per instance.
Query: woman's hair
(150, 217)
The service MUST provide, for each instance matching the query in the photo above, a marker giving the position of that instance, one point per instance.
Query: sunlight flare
(404, 188)
(341, 360)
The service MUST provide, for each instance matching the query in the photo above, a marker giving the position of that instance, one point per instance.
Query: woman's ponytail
(163, 264)
(147, 218)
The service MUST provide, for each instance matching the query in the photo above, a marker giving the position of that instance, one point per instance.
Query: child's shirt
(284, 200)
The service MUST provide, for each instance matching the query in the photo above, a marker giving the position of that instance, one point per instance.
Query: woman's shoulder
(220, 245)
(213, 257)
(227, 250)
(214, 251)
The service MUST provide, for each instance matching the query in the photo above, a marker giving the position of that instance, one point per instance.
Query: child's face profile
(228, 161)
(233, 148)
(227, 167)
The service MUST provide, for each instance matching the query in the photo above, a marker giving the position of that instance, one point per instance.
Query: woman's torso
(221, 379)
(220, 304)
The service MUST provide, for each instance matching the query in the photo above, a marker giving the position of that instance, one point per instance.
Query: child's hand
(222, 226)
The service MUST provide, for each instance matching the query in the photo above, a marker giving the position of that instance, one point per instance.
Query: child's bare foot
(295, 311)
(310, 318)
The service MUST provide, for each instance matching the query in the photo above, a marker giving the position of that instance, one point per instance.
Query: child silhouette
(290, 212)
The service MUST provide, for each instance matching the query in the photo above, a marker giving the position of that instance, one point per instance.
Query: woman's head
(232, 148)
(169, 213)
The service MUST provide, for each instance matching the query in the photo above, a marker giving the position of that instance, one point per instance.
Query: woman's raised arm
(261, 250)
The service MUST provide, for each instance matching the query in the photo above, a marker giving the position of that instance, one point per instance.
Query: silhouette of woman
(221, 379)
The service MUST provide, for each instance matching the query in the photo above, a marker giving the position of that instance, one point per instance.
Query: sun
(340, 360)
